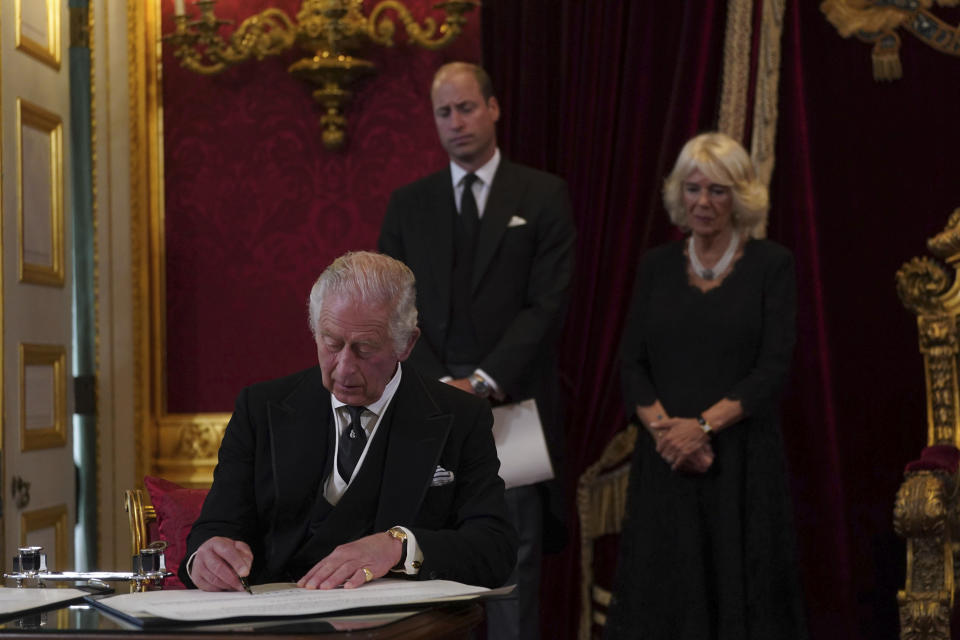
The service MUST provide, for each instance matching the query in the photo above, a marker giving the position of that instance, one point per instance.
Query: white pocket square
(516, 221)
(441, 477)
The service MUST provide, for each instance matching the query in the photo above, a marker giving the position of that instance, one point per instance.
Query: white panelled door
(38, 476)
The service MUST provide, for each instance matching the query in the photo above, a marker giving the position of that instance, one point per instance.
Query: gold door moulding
(53, 357)
(47, 269)
(50, 517)
(877, 22)
(46, 52)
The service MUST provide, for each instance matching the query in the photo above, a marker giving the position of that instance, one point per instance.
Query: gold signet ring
(367, 574)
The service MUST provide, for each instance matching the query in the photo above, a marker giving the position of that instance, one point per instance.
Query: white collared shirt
(334, 487)
(481, 188)
(481, 191)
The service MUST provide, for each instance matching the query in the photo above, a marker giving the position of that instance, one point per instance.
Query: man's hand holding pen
(222, 564)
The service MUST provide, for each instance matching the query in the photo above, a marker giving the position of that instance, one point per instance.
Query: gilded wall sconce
(333, 32)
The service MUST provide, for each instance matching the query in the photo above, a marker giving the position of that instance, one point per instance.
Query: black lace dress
(710, 556)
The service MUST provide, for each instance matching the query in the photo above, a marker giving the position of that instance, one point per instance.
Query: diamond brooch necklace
(722, 263)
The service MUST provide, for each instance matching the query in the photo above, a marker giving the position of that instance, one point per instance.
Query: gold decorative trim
(736, 68)
(932, 292)
(49, 53)
(925, 515)
(938, 344)
(36, 117)
(921, 285)
(55, 435)
(140, 513)
(179, 447)
(3, 377)
(188, 445)
(94, 211)
(80, 25)
(946, 244)
(763, 139)
(601, 501)
(876, 22)
(736, 81)
(146, 214)
(55, 517)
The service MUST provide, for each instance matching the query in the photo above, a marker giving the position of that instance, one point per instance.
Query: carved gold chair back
(926, 509)
(601, 503)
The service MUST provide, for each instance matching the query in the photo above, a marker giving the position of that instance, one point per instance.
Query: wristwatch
(704, 425)
(480, 386)
(399, 534)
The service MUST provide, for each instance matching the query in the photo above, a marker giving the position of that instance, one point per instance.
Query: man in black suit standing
(491, 244)
(346, 472)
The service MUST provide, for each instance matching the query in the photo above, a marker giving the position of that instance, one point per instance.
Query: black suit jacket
(521, 280)
(278, 448)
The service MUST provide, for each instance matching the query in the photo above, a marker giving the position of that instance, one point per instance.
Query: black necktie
(352, 441)
(469, 214)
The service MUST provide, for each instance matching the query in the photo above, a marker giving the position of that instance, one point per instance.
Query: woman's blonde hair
(725, 162)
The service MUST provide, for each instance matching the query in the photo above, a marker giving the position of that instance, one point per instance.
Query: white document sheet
(14, 600)
(521, 447)
(192, 605)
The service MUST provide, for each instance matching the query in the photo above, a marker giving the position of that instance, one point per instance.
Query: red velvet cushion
(938, 457)
(177, 508)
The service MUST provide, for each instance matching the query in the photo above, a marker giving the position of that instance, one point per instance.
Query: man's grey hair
(372, 279)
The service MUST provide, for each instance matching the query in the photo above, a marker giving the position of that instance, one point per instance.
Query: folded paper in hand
(521, 447)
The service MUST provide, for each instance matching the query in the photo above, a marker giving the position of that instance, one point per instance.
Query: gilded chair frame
(926, 508)
(601, 504)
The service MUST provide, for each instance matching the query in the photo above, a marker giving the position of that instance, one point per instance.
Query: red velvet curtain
(604, 94)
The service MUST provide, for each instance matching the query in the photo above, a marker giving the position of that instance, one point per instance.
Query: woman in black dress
(707, 546)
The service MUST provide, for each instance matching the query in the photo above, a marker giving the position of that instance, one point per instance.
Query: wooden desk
(456, 621)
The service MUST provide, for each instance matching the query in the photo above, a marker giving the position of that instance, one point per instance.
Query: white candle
(178, 7)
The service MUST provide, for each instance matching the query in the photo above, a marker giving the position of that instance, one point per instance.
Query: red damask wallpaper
(256, 207)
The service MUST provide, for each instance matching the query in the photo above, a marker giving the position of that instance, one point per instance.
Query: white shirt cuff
(414, 558)
(490, 382)
(190, 565)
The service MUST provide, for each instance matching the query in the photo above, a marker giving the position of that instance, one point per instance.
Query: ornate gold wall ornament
(877, 21)
(333, 32)
(199, 440)
(187, 446)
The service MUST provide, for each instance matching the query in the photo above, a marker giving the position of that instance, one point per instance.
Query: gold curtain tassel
(886, 59)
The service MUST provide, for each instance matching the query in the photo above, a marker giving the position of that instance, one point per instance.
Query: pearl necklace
(722, 263)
